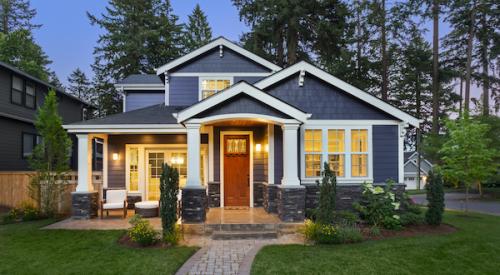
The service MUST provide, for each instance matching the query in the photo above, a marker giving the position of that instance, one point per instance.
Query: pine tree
(107, 98)
(169, 188)
(327, 193)
(80, 86)
(197, 31)
(16, 15)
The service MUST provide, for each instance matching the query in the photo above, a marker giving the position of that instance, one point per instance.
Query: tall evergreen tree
(16, 15)
(197, 31)
(79, 85)
(107, 98)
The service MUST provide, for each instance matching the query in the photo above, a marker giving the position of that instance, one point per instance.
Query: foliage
(410, 213)
(12, 216)
(346, 217)
(16, 15)
(50, 158)
(435, 198)
(331, 234)
(25, 212)
(197, 32)
(142, 232)
(106, 97)
(173, 237)
(379, 206)
(79, 85)
(327, 193)
(169, 188)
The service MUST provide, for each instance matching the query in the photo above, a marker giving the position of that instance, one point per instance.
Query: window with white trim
(313, 150)
(211, 86)
(336, 151)
(359, 152)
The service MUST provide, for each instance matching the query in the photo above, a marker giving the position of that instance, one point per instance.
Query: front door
(154, 170)
(236, 170)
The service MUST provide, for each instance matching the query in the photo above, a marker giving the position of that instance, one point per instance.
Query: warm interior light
(266, 147)
(116, 156)
(177, 160)
(258, 147)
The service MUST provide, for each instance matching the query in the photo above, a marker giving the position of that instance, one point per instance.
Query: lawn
(24, 249)
(473, 249)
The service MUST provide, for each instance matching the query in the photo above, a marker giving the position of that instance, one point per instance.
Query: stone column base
(194, 205)
(84, 205)
(271, 198)
(291, 203)
(214, 194)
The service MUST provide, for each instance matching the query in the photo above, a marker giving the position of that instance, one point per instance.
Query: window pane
(336, 139)
(359, 140)
(17, 83)
(336, 163)
(30, 101)
(312, 140)
(134, 169)
(30, 89)
(359, 166)
(313, 165)
(28, 144)
(17, 97)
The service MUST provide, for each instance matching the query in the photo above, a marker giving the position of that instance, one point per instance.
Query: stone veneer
(214, 194)
(258, 194)
(194, 205)
(84, 205)
(291, 203)
(270, 196)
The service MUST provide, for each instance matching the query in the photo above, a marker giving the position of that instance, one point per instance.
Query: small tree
(467, 154)
(435, 199)
(327, 193)
(50, 158)
(169, 188)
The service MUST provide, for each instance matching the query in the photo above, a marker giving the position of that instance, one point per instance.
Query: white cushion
(113, 205)
(116, 196)
(147, 204)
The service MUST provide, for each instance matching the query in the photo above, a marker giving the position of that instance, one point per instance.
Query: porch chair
(115, 199)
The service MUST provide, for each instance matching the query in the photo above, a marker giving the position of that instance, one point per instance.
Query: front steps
(242, 231)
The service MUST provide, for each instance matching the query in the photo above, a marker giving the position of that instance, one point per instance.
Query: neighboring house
(411, 170)
(20, 97)
(242, 132)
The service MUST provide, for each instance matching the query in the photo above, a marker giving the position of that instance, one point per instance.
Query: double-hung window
(29, 143)
(30, 95)
(23, 92)
(17, 90)
(359, 152)
(211, 86)
(336, 151)
(313, 149)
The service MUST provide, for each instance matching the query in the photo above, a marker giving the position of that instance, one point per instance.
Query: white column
(193, 153)
(210, 153)
(84, 181)
(401, 145)
(290, 155)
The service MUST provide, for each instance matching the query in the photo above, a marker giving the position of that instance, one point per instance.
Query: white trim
(235, 74)
(193, 155)
(84, 159)
(364, 96)
(421, 159)
(119, 131)
(221, 168)
(348, 122)
(242, 116)
(200, 80)
(242, 87)
(401, 156)
(216, 43)
(270, 154)
(124, 102)
(210, 153)
(125, 128)
(167, 89)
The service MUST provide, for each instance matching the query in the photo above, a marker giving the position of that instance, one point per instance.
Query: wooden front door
(236, 170)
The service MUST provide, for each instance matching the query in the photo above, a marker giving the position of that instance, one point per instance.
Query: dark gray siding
(324, 101)
(248, 79)
(230, 62)
(242, 104)
(140, 100)
(278, 154)
(385, 153)
(183, 90)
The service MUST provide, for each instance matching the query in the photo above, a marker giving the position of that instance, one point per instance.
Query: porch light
(258, 147)
(116, 156)
(266, 147)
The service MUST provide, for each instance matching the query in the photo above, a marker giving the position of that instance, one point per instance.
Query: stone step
(242, 235)
(238, 227)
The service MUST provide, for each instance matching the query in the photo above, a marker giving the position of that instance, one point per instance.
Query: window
(98, 154)
(17, 90)
(211, 86)
(30, 95)
(359, 149)
(29, 143)
(336, 151)
(134, 170)
(313, 150)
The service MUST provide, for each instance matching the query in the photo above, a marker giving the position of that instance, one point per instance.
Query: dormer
(141, 90)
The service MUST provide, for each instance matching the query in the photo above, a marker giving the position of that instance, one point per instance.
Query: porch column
(291, 195)
(194, 195)
(84, 202)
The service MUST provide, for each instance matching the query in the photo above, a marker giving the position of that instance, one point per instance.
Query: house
(411, 169)
(20, 96)
(242, 132)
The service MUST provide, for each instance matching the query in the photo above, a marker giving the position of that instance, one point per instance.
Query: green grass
(25, 249)
(473, 249)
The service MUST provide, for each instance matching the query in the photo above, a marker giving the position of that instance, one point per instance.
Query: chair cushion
(113, 196)
(147, 204)
(113, 205)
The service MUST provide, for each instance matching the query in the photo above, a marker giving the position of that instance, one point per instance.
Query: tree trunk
(358, 42)
(480, 188)
(461, 97)
(466, 198)
(4, 6)
(279, 47)
(383, 49)
(292, 43)
(485, 63)
(417, 92)
(435, 67)
(468, 68)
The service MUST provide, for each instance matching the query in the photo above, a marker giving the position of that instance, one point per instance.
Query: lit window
(359, 156)
(210, 87)
(336, 151)
(134, 169)
(313, 145)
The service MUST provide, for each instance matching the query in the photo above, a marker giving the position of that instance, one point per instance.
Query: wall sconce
(266, 147)
(258, 147)
(116, 156)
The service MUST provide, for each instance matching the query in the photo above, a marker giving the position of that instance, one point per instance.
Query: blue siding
(211, 62)
(385, 153)
(183, 90)
(278, 154)
(323, 100)
(248, 79)
(136, 101)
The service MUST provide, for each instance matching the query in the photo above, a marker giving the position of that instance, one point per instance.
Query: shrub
(331, 234)
(435, 199)
(375, 231)
(29, 211)
(311, 214)
(412, 213)
(172, 237)
(13, 215)
(346, 217)
(142, 232)
(327, 193)
(379, 206)
(169, 188)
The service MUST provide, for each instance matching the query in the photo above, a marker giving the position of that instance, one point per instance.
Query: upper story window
(29, 143)
(212, 85)
(23, 92)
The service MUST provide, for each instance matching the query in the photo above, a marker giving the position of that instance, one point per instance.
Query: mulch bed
(126, 241)
(409, 231)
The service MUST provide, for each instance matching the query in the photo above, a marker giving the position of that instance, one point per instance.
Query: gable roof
(410, 157)
(346, 87)
(242, 88)
(141, 79)
(220, 41)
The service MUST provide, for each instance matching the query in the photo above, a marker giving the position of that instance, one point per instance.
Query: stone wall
(258, 194)
(84, 205)
(291, 203)
(194, 205)
(214, 194)
(270, 194)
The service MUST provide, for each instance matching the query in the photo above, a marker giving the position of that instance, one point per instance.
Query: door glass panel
(134, 169)
(236, 146)
(155, 160)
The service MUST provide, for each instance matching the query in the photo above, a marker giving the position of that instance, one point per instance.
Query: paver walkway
(456, 201)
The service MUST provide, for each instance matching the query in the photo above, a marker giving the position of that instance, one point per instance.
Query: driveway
(456, 201)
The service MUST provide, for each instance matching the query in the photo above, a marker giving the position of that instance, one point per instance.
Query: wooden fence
(14, 189)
